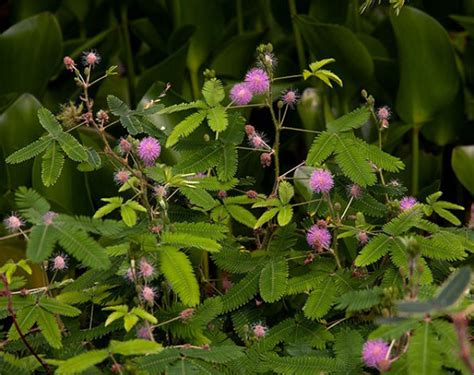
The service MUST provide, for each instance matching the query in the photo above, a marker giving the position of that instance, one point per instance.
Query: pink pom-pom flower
(407, 203)
(321, 181)
(318, 237)
(374, 352)
(257, 81)
(240, 94)
(149, 149)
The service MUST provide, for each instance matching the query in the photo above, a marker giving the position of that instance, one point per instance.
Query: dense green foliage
(219, 249)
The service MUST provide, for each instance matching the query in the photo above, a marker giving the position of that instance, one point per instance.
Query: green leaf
(134, 347)
(49, 122)
(273, 280)
(227, 167)
(357, 300)
(377, 247)
(129, 321)
(52, 165)
(117, 106)
(424, 352)
(213, 92)
(285, 214)
(198, 104)
(241, 293)
(217, 118)
(426, 54)
(323, 146)
(321, 298)
(41, 242)
(445, 214)
(30, 151)
(113, 204)
(300, 365)
(72, 148)
(114, 316)
(144, 315)
(26, 318)
(199, 197)
(81, 362)
(216, 354)
(200, 159)
(56, 307)
(129, 216)
(462, 161)
(179, 272)
(403, 222)
(157, 363)
(348, 346)
(189, 240)
(49, 328)
(241, 215)
(352, 120)
(83, 248)
(186, 127)
(285, 192)
(454, 288)
(384, 160)
(266, 216)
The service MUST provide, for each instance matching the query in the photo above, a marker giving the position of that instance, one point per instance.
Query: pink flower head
(122, 176)
(144, 332)
(148, 294)
(318, 238)
(268, 61)
(290, 97)
(13, 223)
(249, 130)
(257, 81)
(257, 141)
(130, 275)
(146, 269)
(321, 181)
(226, 282)
(69, 63)
(374, 352)
(156, 229)
(185, 314)
(48, 217)
(259, 330)
(266, 159)
(363, 237)
(102, 116)
(160, 191)
(384, 113)
(90, 58)
(125, 146)
(149, 149)
(407, 202)
(240, 94)
(252, 194)
(354, 191)
(59, 262)
(222, 194)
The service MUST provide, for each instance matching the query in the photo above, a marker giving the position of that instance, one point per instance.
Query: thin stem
(12, 313)
(347, 208)
(194, 83)
(300, 130)
(307, 202)
(292, 169)
(245, 106)
(297, 34)
(288, 77)
(415, 145)
(276, 144)
(13, 235)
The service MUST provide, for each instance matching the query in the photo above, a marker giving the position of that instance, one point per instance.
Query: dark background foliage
(419, 63)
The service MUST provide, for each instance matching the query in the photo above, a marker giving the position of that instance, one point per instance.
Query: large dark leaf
(462, 161)
(428, 76)
(30, 52)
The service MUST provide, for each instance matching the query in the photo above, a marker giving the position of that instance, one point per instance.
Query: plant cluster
(188, 269)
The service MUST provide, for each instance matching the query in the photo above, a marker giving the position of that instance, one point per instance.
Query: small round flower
(69, 63)
(116, 368)
(13, 223)
(249, 130)
(321, 181)
(318, 238)
(59, 262)
(160, 191)
(90, 58)
(354, 191)
(240, 94)
(256, 141)
(226, 282)
(222, 194)
(145, 332)
(363, 237)
(309, 259)
(252, 194)
(149, 149)
(156, 229)
(384, 113)
(122, 176)
(374, 351)
(148, 294)
(259, 330)
(185, 314)
(48, 217)
(290, 97)
(268, 61)
(146, 269)
(125, 146)
(257, 81)
(102, 116)
(130, 275)
(407, 202)
(266, 159)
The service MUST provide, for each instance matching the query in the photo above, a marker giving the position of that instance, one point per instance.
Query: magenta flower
(59, 262)
(407, 202)
(290, 97)
(13, 223)
(383, 113)
(321, 181)
(148, 294)
(146, 269)
(185, 314)
(363, 237)
(121, 177)
(266, 159)
(249, 130)
(240, 94)
(48, 217)
(69, 63)
(125, 146)
(144, 332)
(252, 194)
(374, 352)
(149, 149)
(259, 330)
(354, 191)
(90, 58)
(257, 81)
(318, 238)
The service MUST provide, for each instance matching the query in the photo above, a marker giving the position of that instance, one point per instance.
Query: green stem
(195, 83)
(300, 130)
(128, 53)
(415, 159)
(297, 34)
(276, 144)
(240, 18)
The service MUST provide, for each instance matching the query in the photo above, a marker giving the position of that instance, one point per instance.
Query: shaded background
(420, 63)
